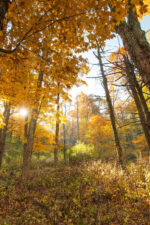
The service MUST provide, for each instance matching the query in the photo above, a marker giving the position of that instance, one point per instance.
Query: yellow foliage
(100, 130)
(140, 142)
(43, 140)
(2, 124)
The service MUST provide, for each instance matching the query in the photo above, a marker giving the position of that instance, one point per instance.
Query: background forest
(80, 159)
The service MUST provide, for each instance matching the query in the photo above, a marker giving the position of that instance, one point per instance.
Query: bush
(80, 152)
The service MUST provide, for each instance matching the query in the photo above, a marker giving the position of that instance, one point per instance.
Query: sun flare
(23, 112)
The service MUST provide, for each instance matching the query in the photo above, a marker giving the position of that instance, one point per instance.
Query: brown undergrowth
(90, 194)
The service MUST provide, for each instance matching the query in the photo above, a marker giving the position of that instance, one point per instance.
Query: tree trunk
(64, 134)
(136, 45)
(56, 143)
(28, 146)
(111, 113)
(78, 133)
(57, 129)
(4, 4)
(71, 138)
(3, 131)
(143, 102)
(64, 131)
(130, 76)
(30, 131)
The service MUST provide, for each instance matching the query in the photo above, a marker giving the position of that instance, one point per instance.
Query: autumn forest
(74, 157)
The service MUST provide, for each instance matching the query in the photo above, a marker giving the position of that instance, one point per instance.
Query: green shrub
(80, 152)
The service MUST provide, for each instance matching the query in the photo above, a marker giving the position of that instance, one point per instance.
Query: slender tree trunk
(78, 133)
(72, 134)
(30, 131)
(64, 134)
(136, 45)
(4, 4)
(130, 76)
(56, 143)
(133, 137)
(26, 131)
(57, 129)
(3, 131)
(64, 131)
(111, 113)
(143, 102)
(28, 146)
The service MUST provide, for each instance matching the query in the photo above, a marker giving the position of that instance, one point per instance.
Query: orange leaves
(99, 130)
(118, 55)
(94, 128)
(62, 23)
(140, 143)
(43, 140)
(2, 124)
(46, 34)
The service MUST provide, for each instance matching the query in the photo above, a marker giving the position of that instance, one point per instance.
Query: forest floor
(91, 193)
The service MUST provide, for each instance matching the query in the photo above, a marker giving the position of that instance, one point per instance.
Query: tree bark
(130, 76)
(143, 102)
(28, 147)
(4, 4)
(136, 45)
(56, 143)
(111, 113)
(29, 133)
(3, 131)
(78, 133)
(64, 134)
(57, 130)
(64, 131)
(71, 138)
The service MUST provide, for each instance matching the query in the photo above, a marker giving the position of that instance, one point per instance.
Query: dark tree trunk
(111, 113)
(3, 131)
(64, 134)
(56, 143)
(4, 4)
(78, 133)
(57, 130)
(130, 76)
(28, 146)
(71, 138)
(29, 133)
(2, 147)
(143, 102)
(64, 131)
(136, 45)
